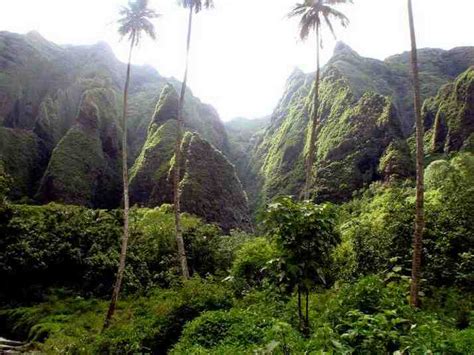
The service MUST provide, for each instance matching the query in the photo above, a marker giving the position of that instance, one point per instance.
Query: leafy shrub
(250, 266)
(58, 245)
(373, 316)
(157, 321)
(77, 248)
(5, 183)
(153, 323)
(226, 247)
(449, 237)
(306, 236)
(377, 226)
(238, 328)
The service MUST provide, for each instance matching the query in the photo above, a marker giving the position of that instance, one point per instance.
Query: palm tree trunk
(419, 218)
(306, 321)
(314, 125)
(126, 202)
(177, 190)
(300, 311)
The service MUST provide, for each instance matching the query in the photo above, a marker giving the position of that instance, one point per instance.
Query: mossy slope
(392, 77)
(42, 86)
(84, 168)
(355, 133)
(210, 187)
(149, 183)
(19, 154)
(449, 117)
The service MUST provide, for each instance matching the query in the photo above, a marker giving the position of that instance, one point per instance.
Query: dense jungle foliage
(244, 297)
(296, 233)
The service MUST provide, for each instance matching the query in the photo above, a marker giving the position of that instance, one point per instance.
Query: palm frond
(196, 5)
(311, 12)
(135, 20)
(329, 24)
(332, 12)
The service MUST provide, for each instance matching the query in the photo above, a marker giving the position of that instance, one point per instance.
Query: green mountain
(243, 135)
(60, 123)
(85, 165)
(392, 77)
(366, 117)
(210, 187)
(449, 117)
(60, 126)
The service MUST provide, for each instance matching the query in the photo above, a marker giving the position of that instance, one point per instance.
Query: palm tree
(419, 213)
(312, 13)
(134, 22)
(194, 6)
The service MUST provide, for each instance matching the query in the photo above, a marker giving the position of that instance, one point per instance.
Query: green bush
(155, 323)
(449, 241)
(373, 316)
(152, 323)
(226, 247)
(5, 183)
(377, 227)
(236, 328)
(251, 263)
(77, 248)
(61, 246)
(306, 236)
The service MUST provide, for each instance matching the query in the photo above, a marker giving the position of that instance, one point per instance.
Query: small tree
(305, 234)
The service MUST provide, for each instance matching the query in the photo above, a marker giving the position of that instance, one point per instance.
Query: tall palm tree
(135, 21)
(419, 212)
(312, 13)
(194, 6)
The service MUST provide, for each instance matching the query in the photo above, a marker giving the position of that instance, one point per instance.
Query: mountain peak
(343, 49)
(104, 45)
(296, 72)
(35, 35)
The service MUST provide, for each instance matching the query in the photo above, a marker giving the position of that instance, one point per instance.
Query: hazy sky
(243, 50)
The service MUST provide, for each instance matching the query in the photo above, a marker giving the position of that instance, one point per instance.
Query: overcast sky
(243, 50)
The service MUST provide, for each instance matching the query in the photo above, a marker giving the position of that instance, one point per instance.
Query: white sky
(243, 50)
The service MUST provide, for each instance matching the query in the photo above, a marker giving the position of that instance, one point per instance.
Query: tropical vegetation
(342, 224)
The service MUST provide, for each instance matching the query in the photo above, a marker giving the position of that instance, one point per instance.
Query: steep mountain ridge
(392, 77)
(243, 133)
(60, 116)
(51, 94)
(449, 117)
(209, 185)
(366, 115)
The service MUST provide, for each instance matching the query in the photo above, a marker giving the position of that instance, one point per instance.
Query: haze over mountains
(60, 129)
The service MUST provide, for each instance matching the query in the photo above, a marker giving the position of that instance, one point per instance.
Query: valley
(239, 236)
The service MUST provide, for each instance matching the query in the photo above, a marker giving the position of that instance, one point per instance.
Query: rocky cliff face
(354, 134)
(449, 117)
(209, 185)
(243, 135)
(19, 153)
(392, 77)
(60, 126)
(85, 165)
(366, 115)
